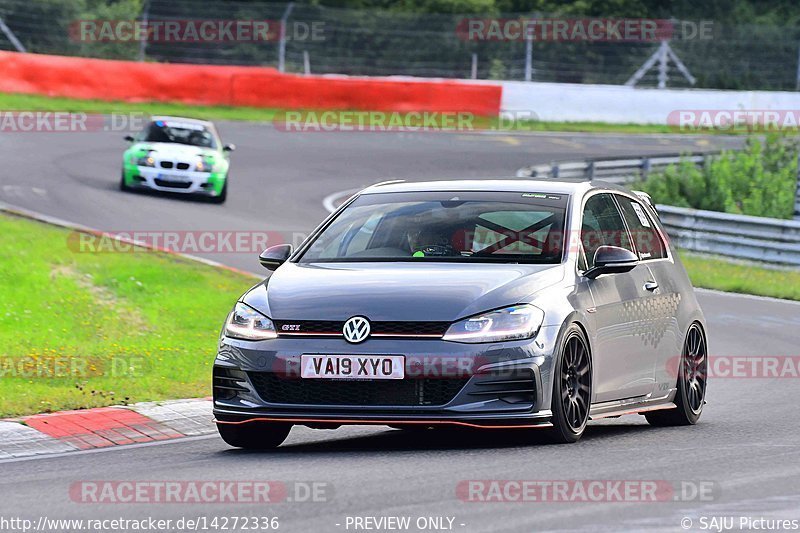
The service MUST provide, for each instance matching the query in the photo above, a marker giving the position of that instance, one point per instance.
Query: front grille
(404, 392)
(334, 327)
(410, 328)
(182, 166)
(173, 184)
(166, 164)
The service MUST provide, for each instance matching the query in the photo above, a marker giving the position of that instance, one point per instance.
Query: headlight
(201, 165)
(144, 161)
(246, 323)
(511, 323)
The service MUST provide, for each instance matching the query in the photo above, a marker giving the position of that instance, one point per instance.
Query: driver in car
(430, 241)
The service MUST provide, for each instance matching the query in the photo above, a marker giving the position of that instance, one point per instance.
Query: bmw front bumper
(173, 180)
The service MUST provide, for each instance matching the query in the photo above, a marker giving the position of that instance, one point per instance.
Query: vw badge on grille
(356, 329)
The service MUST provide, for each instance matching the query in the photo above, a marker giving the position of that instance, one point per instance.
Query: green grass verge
(733, 276)
(24, 102)
(84, 330)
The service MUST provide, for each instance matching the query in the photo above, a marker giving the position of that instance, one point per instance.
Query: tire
(122, 185)
(254, 435)
(222, 196)
(691, 383)
(572, 388)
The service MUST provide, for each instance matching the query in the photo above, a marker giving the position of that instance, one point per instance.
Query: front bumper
(497, 385)
(174, 181)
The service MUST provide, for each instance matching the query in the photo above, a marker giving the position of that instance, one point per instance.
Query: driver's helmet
(429, 240)
(200, 138)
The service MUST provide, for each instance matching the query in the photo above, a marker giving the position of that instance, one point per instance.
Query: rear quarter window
(646, 238)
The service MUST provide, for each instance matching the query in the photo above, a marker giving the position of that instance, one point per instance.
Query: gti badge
(356, 329)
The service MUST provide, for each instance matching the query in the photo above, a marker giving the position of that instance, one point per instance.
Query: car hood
(176, 150)
(396, 291)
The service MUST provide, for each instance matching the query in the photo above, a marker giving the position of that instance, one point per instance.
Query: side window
(602, 226)
(645, 236)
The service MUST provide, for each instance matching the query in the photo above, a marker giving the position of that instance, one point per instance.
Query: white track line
(329, 202)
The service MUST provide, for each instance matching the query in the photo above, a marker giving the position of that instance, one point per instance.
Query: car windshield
(163, 131)
(509, 227)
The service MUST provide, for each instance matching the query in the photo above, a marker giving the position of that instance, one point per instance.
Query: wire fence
(386, 43)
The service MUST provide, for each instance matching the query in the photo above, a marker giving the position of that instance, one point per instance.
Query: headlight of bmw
(202, 165)
(509, 324)
(246, 323)
(144, 161)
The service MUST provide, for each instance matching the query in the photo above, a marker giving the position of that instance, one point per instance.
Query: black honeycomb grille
(173, 184)
(403, 392)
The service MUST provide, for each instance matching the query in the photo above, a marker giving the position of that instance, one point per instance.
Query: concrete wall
(621, 105)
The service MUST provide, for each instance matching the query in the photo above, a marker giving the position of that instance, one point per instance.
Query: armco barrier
(130, 81)
(614, 170)
(740, 236)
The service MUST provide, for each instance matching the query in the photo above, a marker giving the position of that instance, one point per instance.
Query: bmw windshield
(161, 131)
(508, 227)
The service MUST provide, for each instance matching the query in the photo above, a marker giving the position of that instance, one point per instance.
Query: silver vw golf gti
(483, 304)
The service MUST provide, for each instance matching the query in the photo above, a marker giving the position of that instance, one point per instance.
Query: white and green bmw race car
(181, 155)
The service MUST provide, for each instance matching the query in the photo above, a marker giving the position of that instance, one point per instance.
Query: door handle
(650, 286)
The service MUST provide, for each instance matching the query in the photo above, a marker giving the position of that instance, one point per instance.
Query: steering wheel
(437, 250)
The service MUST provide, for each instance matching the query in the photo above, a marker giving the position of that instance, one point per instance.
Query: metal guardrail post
(646, 166)
(11, 37)
(797, 192)
(282, 42)
(145, 33)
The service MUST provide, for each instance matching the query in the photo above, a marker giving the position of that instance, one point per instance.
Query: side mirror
(275, 256)
(612, 260)
(129, 138)
(229, 147)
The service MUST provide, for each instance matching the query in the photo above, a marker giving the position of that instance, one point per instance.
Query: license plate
(174, 177)
(352, 366)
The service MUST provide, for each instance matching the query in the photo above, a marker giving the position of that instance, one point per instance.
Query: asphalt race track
(747, 445)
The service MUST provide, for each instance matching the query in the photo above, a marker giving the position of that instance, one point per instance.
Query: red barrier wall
(130, 81)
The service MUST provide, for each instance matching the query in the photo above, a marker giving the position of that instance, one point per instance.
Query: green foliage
(497, 70)
(760, 180)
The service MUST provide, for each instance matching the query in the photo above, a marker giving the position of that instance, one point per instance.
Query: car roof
(556, 186)
(182, 119)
